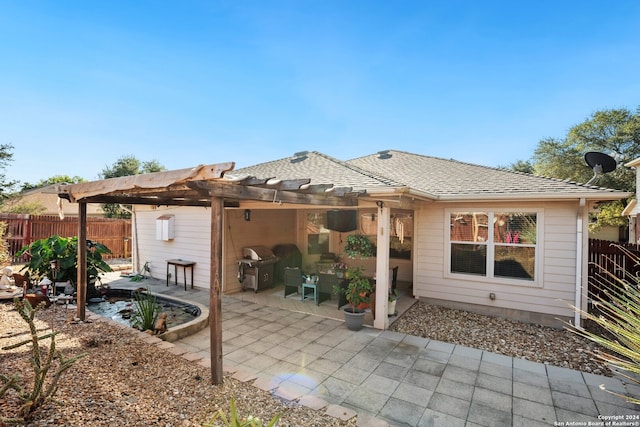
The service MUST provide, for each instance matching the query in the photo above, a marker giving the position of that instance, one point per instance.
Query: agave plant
(616, 309)
(147, 310)
(235, 420)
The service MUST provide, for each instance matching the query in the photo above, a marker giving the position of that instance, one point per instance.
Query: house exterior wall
(608, 232)
(540, 302)
(266, 228)
(50, 202)
(192, 240)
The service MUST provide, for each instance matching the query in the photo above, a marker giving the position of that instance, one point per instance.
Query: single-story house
(47, 200)
(467, 236)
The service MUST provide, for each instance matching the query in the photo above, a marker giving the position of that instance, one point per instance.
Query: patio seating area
(270, 297)
(274, 297)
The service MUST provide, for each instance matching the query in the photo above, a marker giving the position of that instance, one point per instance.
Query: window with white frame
(494, 244)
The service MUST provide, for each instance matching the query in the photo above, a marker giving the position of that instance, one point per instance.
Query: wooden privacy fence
(23, 229)
(608, 258)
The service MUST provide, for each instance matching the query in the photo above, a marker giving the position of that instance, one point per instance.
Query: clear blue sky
(83, 83)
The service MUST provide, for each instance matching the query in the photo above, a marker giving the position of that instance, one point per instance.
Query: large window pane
(317, 233)
(515, 227)
(506, 239)
(469, 227)
(516, 262)
(469, 259)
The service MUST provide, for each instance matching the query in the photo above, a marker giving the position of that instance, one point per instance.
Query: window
(494, 244)
(400, 232)
(317, 234)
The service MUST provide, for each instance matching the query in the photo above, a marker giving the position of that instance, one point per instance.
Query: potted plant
(356, 293)
(391, 302)
(358, 245)
(57, 257)
(339, 268)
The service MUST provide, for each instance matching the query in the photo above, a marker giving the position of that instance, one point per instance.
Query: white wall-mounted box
(165, 227)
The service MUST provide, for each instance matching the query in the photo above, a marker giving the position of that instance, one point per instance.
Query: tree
(126, 166)
(615, 132)
(524, 166)
(31, 208)
(6, 157)
(56, 179)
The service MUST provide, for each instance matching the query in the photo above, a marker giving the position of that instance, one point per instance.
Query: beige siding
(266, 228)
(191, 242)
(556, 273)
(193, 239)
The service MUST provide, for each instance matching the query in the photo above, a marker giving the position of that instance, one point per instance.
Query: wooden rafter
(200, 186)
(242, 192)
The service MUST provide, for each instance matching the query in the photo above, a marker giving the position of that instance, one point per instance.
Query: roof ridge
(495, 168)
(383, 179)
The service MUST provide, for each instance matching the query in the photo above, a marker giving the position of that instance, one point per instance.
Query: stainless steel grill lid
(258, 253)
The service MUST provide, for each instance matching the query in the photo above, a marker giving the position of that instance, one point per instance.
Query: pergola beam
(242, 192)
(200, 186)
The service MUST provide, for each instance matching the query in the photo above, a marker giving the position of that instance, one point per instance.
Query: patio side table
(180, 263)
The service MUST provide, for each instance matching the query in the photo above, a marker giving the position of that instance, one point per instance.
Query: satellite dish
(600, 163)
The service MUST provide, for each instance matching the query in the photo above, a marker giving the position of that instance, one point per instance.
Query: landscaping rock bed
(123, 381)
(558, 347)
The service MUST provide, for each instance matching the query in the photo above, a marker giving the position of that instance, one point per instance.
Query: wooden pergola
(204, 185)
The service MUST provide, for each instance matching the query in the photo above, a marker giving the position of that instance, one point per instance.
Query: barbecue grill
(255, 269)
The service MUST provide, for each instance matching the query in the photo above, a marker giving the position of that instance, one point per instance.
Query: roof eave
(601, 196)
(633, 163)
(404, 191)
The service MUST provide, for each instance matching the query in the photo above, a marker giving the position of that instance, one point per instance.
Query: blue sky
(83, 83)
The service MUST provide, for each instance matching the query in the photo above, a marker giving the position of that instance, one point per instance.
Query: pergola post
(381, 320)
(81, 280)
(215, 292)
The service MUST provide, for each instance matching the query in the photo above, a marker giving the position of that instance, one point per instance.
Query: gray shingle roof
(320, 168)
(452, 179)
(432, 177)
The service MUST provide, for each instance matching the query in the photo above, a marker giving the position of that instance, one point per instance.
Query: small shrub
(617, 311)
(147, 310)
(43, 389)
(5, 256)
(234, 419)
(64, 250)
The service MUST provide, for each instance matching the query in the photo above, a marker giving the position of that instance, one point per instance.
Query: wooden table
(180, 263)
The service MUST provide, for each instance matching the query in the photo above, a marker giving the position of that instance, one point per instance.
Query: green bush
(64, 250)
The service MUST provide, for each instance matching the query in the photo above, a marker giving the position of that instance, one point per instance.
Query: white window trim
(489, 278)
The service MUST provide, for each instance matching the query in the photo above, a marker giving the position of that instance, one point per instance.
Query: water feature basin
(183, 317)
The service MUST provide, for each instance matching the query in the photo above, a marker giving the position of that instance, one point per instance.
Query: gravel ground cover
(558, 347)
(123, 381)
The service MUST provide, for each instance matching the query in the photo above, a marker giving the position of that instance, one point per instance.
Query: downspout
(579, 256)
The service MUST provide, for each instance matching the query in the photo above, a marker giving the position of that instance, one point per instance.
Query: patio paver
(395, 379)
